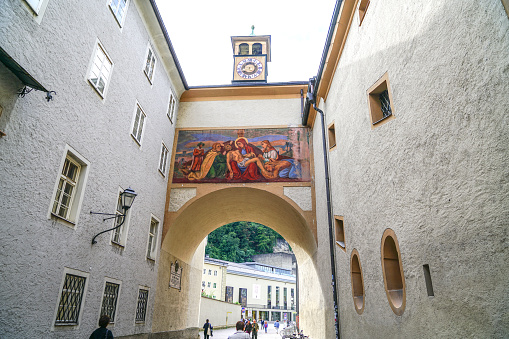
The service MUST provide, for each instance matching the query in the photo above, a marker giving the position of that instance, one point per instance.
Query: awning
(20, 72)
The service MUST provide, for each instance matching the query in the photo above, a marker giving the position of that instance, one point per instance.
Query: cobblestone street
(225, 333)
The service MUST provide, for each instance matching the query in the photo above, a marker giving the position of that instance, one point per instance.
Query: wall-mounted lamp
(126, 200)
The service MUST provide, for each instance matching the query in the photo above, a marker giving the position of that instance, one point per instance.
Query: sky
(200, 32)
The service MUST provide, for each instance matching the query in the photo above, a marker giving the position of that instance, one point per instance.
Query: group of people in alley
(245, 329)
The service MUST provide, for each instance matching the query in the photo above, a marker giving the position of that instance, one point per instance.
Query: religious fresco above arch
(242, 155)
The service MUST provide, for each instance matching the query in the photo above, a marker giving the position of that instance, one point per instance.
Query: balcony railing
(269, 307)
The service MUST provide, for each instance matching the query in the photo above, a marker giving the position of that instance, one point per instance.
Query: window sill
(382, 121)
(138, 142)
(161, 172)
(117, 244)
(332, 148)
(148, 78)
(96, 90)
(116, 19)
(151, 259)
(341, 245)
(2, 134)
(67, 221)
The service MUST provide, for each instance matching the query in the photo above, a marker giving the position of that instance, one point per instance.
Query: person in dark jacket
(249, 327)
(102, 332)
(207, 330)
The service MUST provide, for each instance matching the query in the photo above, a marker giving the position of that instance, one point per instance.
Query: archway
(184, 241)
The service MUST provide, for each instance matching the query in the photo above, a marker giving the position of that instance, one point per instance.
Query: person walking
(207, 330)
(255, 330)
(265, 325)
(240, 334)
(249, 327)
(102, 332)
(276, 326)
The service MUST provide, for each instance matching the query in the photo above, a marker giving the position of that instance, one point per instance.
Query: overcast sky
(200, 32)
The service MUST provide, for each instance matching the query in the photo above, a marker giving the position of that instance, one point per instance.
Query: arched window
(243, 49)
(257, 49)
(357, 282)
(394, 280)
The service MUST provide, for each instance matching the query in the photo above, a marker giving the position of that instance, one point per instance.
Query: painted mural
(242, 155)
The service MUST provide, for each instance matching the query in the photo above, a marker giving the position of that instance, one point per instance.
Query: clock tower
(250, 56)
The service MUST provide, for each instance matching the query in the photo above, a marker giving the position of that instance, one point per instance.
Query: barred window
(110, 297)
(141, 310)
(70, 300)
(139, 122)
(66, 188)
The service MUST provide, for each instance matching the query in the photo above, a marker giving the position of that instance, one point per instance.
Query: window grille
(118, 7)
(66, 188)
(385, 104)
(141, 310)
(110, 297)
(70, 300)
(139, 121)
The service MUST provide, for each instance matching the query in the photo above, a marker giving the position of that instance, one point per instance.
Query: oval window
(357, 282)
(392, 268)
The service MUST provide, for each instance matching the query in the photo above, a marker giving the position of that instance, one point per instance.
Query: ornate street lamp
(126, 200)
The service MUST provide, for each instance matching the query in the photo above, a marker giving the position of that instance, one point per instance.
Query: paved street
(223, 334)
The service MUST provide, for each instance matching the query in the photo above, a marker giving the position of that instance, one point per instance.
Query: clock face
(249, 68)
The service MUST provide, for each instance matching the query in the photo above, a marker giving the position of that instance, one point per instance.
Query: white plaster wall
(219, 313)
(239, 113)
(436, 174)
(35, 249)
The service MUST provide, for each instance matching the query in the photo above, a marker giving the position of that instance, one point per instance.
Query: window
(119, 10)
(141, 309)
(162, 159)
(285, 298)
(277, 296)
(214, 285)
(66, 188)
(204, 271)
(203, 283)
(210, 272)
(379, 100)
(394, 280)
(71, 298)
(208, 284)
(35, 5)
(119, 235)
(100, 71)
(69, 188)
(269, 296)
(332, 136)
(363, 7)
(172, 107)
(110, 297)
(244, 49)
(292, 298)
(357, 282)
(150, 64)
(257, 49)
(152, 239)
(215, 273)
(340, 232)
(138, 123)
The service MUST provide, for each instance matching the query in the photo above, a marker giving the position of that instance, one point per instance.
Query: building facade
(395, 206)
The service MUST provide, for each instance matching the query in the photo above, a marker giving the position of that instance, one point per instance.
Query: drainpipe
(312, 101)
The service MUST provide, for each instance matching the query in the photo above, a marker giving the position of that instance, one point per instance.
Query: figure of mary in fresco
(242, 161)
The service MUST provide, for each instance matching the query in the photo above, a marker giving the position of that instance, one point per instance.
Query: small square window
(163, 160)
(363, 7)
(141, 309)
(110, 298)
(71, 299)
(215, 285)
(332, 136)
(152, 239)
(340, 232)
(138, 124)
(380, 102)
(150, 64)
(172, 107)
(119, 10)
(208, 284)
(100, 71)
(210, 272)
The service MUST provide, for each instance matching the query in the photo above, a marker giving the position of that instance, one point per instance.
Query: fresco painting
(242, 155)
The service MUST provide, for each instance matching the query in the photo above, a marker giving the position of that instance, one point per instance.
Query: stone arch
(187, 228)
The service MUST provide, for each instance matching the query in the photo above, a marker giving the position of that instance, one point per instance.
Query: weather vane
(252, 29)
